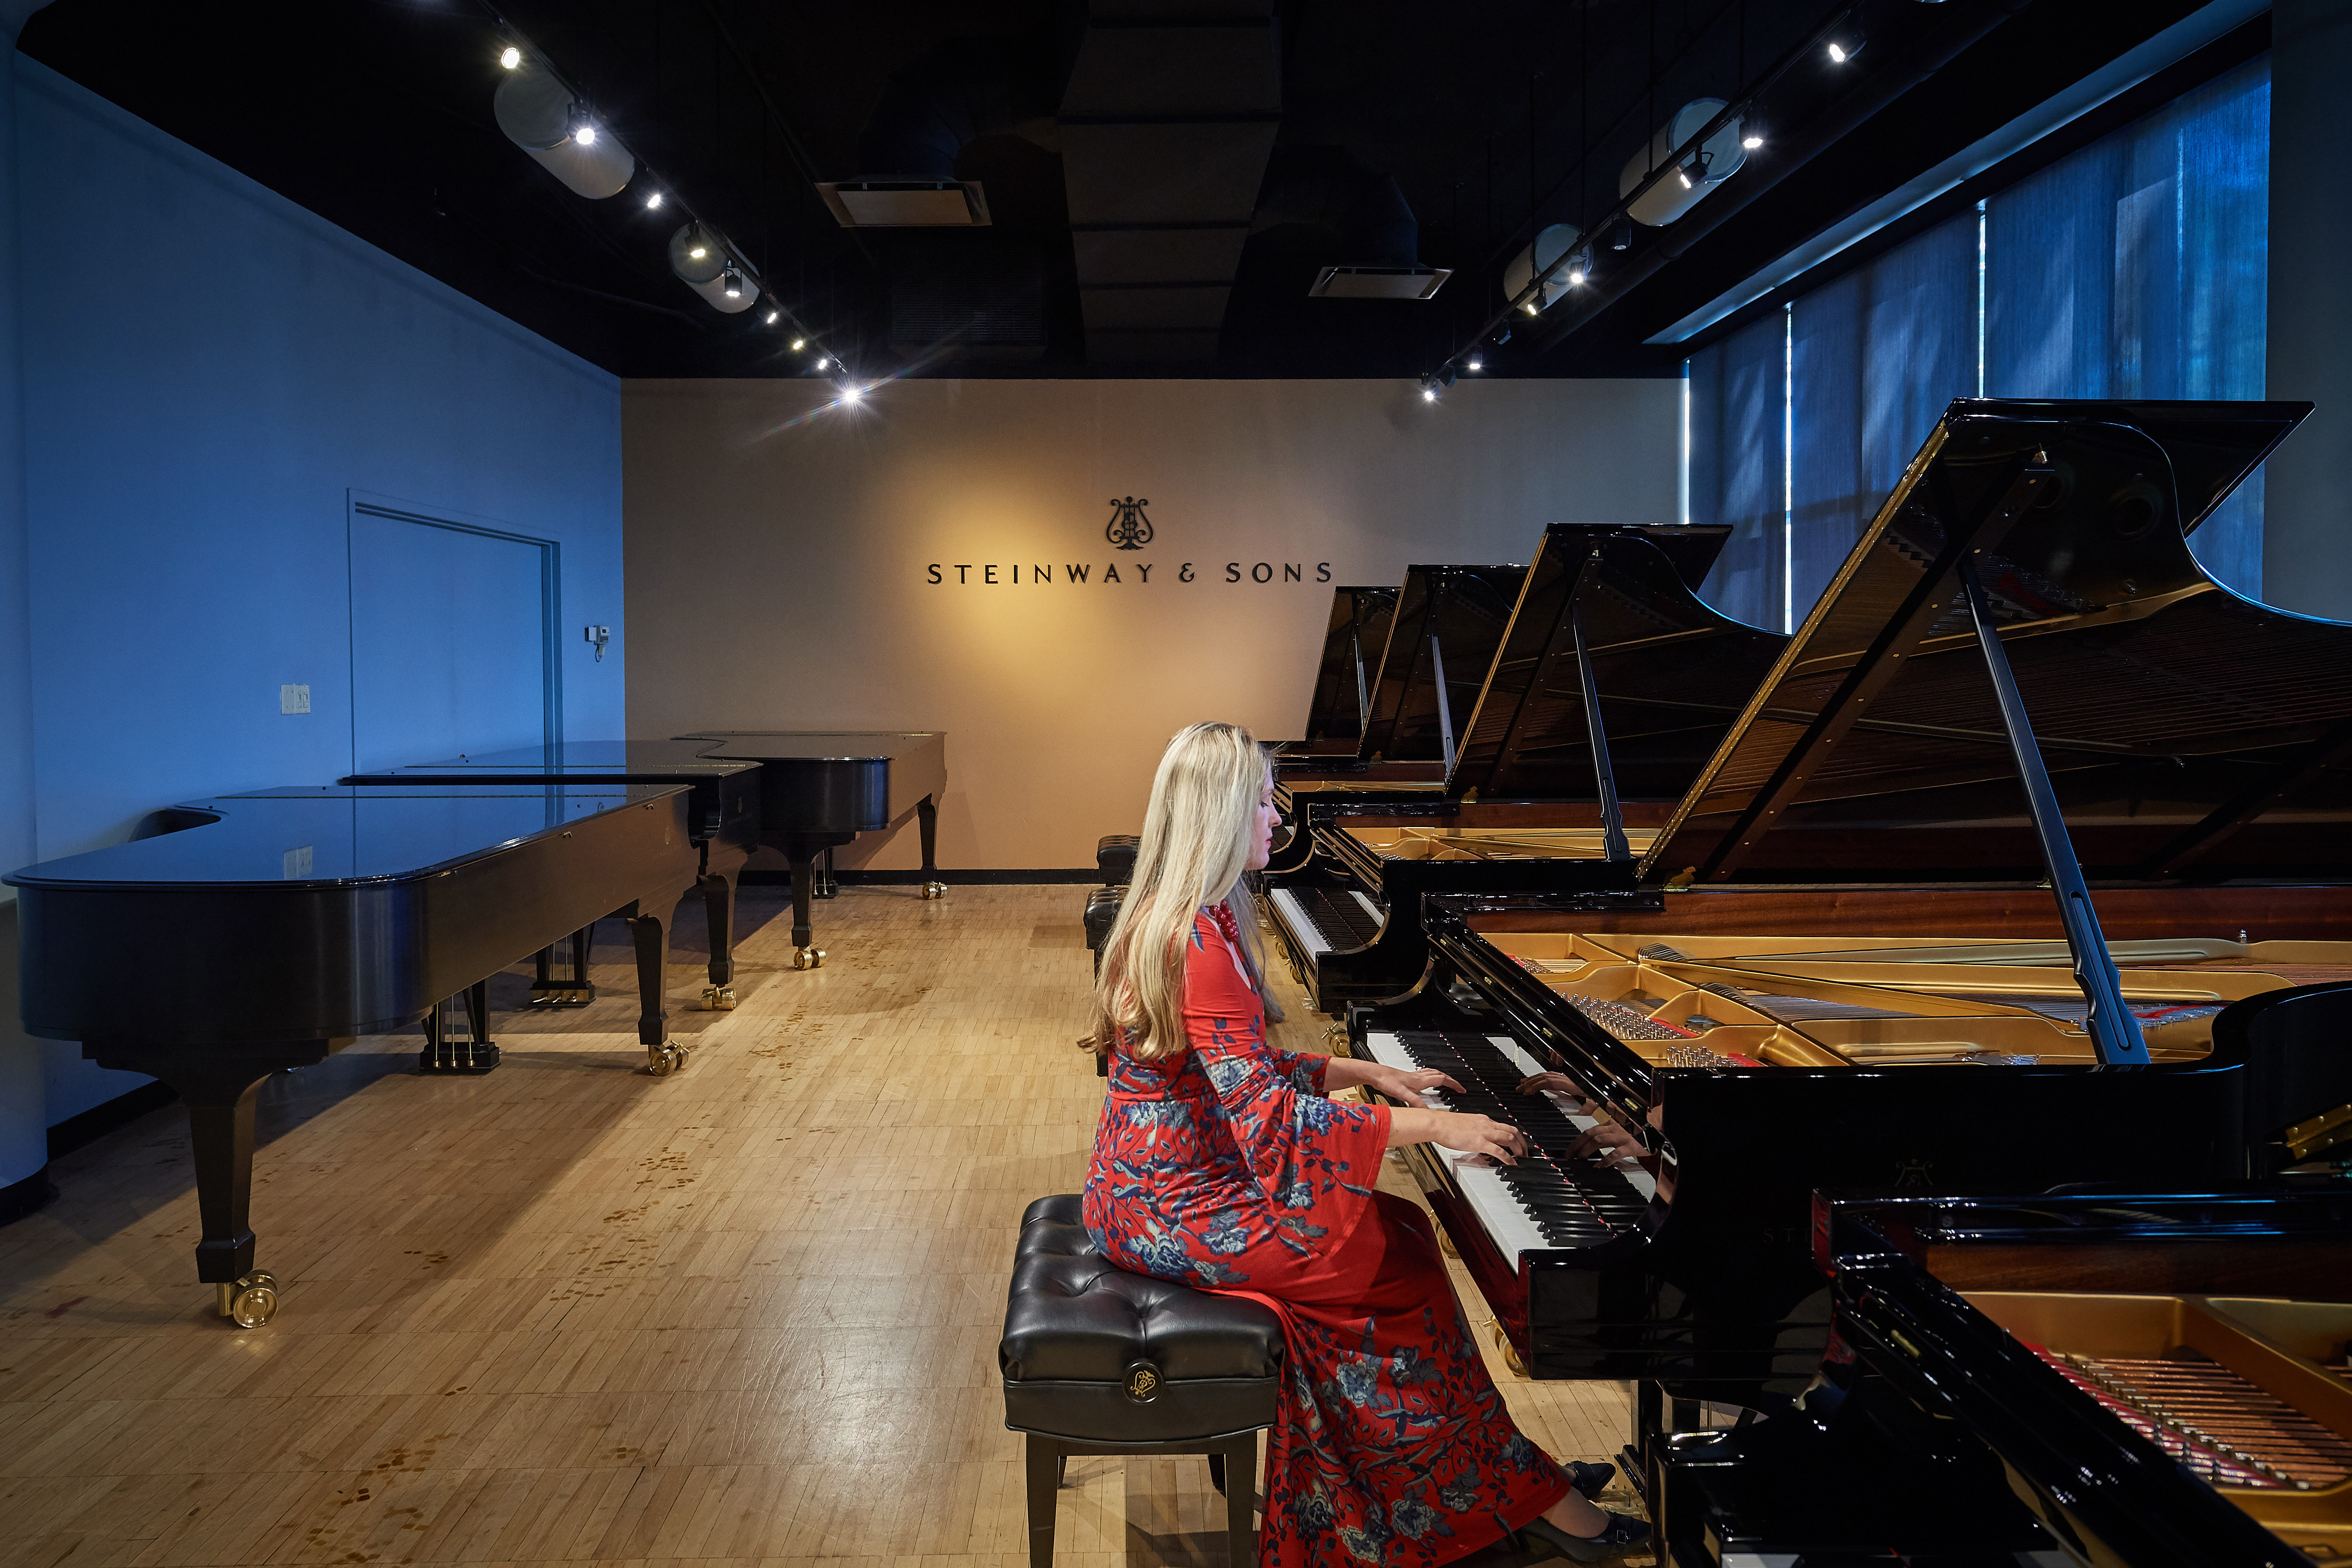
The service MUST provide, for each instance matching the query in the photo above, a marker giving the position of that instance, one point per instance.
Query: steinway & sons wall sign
(1130, 530)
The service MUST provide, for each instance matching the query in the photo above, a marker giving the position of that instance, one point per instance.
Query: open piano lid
(1421, 699)
(2188, 732)
(1352, 645)
(1671, 671)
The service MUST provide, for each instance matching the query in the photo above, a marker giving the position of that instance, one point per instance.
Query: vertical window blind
(2135, 268)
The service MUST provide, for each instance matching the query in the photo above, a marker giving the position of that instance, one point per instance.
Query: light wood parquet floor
(569, 1314)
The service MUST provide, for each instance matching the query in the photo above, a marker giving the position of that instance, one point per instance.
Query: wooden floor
(568, 1312)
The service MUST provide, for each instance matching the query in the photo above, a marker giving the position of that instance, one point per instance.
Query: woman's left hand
(1400, 1083)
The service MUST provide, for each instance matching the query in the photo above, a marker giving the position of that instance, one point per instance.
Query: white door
(451, 640)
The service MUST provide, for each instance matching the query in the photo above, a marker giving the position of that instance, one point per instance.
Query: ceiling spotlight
(1620, 237)
(1692, 172)
(582, 128)
(773, 315)
(1530, 307)
(799, 344)
(1846, 44)
(1474, 362)
(652, 203)
(1580, 269)
(510, 57)
(852, 393)
(1429, 395)
(734, 282)
(1752, 141)
(822, 362)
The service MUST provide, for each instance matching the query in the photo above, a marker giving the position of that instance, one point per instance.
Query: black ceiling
(376, 115)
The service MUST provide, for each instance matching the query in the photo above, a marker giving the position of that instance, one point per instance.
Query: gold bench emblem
(1143, 1383)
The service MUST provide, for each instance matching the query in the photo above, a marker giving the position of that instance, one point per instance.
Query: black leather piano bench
(1100, 1360)
(1115, 858)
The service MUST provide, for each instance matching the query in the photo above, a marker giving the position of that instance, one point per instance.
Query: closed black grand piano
(272, 928)
(1611, 688)
(2029, 800)
(723, 814)
(821, 789)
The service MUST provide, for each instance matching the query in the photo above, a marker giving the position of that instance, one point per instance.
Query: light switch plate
(293, 700)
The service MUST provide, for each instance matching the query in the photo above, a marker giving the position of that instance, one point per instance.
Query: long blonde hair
(1196, 845)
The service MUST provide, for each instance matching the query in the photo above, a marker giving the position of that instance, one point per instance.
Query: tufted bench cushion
(1115, 858)
(1079, 1335)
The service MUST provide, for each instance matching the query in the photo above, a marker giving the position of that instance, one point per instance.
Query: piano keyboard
(1316, 921)
(1543, 1202)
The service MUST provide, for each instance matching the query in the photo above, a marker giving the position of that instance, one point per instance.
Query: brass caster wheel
(665, 1059)
(935, 889)
(808, 958)
(719, 998)
(251, 1302)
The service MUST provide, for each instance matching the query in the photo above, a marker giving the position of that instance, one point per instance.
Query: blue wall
(208, 372)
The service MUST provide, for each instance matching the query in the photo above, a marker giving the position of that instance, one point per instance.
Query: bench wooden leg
(1240, 1455)
(1045, 1476)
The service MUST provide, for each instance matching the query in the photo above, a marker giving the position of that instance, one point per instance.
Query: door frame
(361, 503)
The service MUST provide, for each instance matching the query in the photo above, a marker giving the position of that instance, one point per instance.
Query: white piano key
(1370, 908)
(1573, 1108)
(1298, 930)
(1506, 1222)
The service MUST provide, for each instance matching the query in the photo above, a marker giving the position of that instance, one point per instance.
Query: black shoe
(1588, 1481)
(1625, 1536)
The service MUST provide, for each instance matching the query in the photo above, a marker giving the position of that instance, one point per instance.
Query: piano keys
(723, 813)
(2162, 1375)
(1937, 918)
(821, 789)
(274, 927)
(1611, 688)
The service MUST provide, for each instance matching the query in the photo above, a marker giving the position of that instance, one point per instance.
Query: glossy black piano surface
(274, 926)
(724, 813)
(821, 789)
(1341, 704)
(1951, 1068)
(2159, 1377)
(1522, 806)
(1441, 637)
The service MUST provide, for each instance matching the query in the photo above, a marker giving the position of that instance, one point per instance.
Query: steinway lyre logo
(1130, 529)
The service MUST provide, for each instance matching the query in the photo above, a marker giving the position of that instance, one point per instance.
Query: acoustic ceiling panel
(1175, 71)
(1199, 172)
(1159, 255)
(1158, 309)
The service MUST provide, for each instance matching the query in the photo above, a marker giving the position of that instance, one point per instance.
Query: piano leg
(718, 912)
(926, 819)
(548, 991)
(475, 1054)
(651, 932)
(827, 887)
(805, 953)
(219, 1096)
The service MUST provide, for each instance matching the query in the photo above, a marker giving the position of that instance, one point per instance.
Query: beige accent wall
(780, 557)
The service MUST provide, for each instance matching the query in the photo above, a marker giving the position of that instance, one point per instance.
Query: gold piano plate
(1359, 785)
(1493, 844)
(1819, 1001)
(2249, 1396)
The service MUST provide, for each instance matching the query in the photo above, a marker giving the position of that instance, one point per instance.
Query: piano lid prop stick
(2114, 1031)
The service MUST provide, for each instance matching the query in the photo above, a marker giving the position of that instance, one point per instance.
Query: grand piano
(1611, 688)
(2027, 802)
(723, 814)
(2150, 1380)
(1449, 621)
(1341, 704)
(821, 789)
(274, 927)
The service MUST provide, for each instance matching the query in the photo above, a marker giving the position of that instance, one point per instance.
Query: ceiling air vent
(907, 204)
(1378, 283)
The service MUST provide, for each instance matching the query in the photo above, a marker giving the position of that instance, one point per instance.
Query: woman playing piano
(1219, 1164)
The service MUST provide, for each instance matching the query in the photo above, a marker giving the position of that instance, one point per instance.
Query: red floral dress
(1225, 1169)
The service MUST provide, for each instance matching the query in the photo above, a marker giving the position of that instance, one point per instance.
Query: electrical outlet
(293, 700)
(298, 862)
